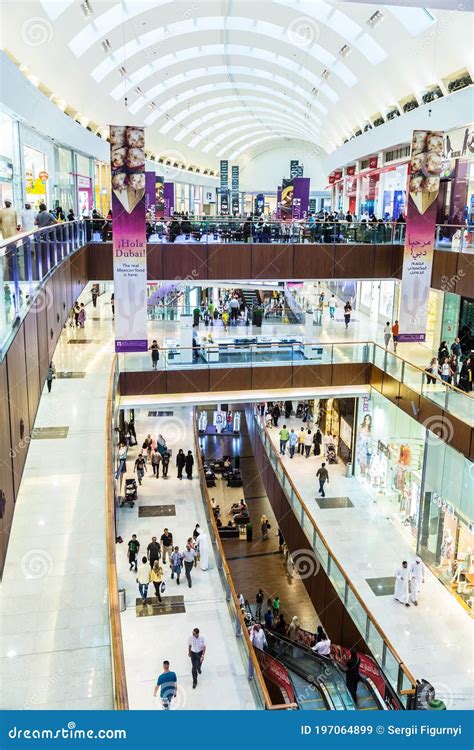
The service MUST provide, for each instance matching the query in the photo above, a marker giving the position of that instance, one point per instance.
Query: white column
(186, 325)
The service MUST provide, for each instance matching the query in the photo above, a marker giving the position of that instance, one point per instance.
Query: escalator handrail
(318, 658)
(381, 705)
(320, 686)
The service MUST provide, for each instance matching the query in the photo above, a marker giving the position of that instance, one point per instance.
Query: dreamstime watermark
(41, 696)
(303, 564)
(448, 283)
(439, 690)
(37, 563)
(174, 428)
(36, 31)
(441, 427)
(70, 732)
(302, 32)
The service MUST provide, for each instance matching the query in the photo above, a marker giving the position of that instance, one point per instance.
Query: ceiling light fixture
(152, 105)
(106, 46)
(375, 18)
(345, 51)
(86, 9)
(122, 71)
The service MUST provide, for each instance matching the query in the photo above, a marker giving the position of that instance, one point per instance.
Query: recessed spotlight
(325, 74)
(106, 46)
(152, 105)
(375, 18)
(138, 90)
(122, 71)
(86, 9)
(345, 51)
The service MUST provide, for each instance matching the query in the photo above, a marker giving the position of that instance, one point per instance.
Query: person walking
(77, 310)
(155, 463)
(165, 463)
(445, 371)
(176, 564)
(268, 619)
(395, 332)
(432, 371)
(9, 220)
(156, 577)
(301, 439)
(27, 218)
(167, 686)
(140, 467)
(264, 525)
(189, 463)
(417, 578)
(456, 347)
(180, 463)
(153, 551)
(284, 436)
(465, 376)
(347, 313)
(387, 333)
(196, 652)
(293, 442)
(81, 318)
(44, 218)
(143, 579)
(323, 476)
(155, 354)
(293, 628)
(443, 351)
(166, 544)
(259, 601)
(133, 548)
(402, 580)
(308, 443)
(257, 637)
(94, 294)
(317, 441)
(332, 304)
(51, 373)
(276, 415)
(189, 555)
(352, 674)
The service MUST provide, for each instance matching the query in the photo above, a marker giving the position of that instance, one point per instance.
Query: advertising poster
(150, 192)
(278, 210)
(287, 189)
(259, 204)
(224, 186)
(159, 197)
(425, 167)
(235, 190)
(127, 157)
(168, 199)
(300, 197)
(294, 168)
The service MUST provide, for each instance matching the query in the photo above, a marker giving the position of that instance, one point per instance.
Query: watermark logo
(303, 32)
(37, 563)
(303, 564)
(36, 31)
(441, 427)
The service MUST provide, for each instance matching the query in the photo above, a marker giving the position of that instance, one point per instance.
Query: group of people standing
(450, 366)
(155, 453)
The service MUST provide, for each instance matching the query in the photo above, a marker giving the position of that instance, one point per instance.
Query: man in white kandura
(417, 578)
(402, 580)
(203, 547)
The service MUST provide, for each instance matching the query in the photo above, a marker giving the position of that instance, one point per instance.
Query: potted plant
(196, 316)
(249, 532)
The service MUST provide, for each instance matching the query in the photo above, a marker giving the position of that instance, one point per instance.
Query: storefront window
(36, 176)
(6, 158)
(446, 540)
(64, 179)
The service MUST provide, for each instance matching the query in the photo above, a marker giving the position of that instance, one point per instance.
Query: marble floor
(435, 639)
(149, 640)
(54, 625)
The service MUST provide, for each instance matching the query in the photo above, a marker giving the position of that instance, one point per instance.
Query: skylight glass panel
(55, 8)
(343, 25)
(344, 73)
(415, 20)
(93, 32)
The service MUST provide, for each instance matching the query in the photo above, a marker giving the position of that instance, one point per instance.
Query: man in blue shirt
(167, 684)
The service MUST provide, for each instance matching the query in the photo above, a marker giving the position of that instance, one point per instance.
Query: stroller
(130, 496)
(300, 410)
(331, 454)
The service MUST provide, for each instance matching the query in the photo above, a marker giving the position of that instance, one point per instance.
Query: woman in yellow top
(301, 438)
(156, 577)
(225, 319)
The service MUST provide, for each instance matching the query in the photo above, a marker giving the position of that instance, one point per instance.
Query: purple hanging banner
(300, 197)
(278, 211)
(168, 198)
(150, 192)
(127, 160)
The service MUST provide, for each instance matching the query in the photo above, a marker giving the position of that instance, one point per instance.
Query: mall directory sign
(425, 168)
(127, 158)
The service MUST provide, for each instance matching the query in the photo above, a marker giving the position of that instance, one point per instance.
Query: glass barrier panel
(393, 365)
(308, 527)
(322, 552)
(380, 355)
(337, 579)
(435, 390)
(460, 405)
(413, 377)
(356, 611)
(391, 667)
(375, 642)
(343, 353)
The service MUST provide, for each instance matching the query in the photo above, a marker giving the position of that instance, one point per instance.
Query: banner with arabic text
(425, 168)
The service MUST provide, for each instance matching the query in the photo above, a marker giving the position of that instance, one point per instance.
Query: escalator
(314, 677)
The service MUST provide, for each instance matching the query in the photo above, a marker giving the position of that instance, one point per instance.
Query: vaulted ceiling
(228, 78)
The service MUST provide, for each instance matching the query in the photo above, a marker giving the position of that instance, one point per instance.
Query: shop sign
(6, 170)
(82, 182)
(338, 175)
(442, 504)
(331, 179)
(373, 161)
(459, 143)
(43, 176)
(350, 171)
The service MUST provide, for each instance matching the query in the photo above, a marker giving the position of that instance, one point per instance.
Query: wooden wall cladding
(167, 261)
(18, 404)
(32, 365)
(7, 493)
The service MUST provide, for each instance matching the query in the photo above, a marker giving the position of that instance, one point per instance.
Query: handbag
(163, 587)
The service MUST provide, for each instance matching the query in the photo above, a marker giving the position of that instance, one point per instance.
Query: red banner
(331, 179)
(338, 175)
(277, 673)
(373, 161)
(350, 171)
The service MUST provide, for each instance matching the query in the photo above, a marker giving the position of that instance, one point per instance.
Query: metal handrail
(255, 664)
(21, 236)
(272, 451)
(118, 659)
